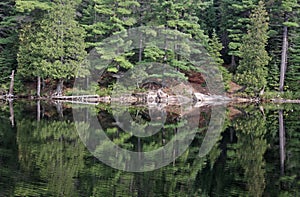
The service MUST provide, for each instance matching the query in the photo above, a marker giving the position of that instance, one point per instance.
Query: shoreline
(175, 99)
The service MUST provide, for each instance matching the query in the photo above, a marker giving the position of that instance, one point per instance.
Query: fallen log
(203, 97)
(285, 101)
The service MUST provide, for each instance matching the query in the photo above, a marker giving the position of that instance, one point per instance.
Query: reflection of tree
(250, 149)
(8, 154)
(52, 154)
(177, 179)
(290, 182)
(239, 169)
(53, 160)
(283, 183)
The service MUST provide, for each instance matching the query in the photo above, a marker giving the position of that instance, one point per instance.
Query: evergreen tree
(252, 71)
(8, 40)
(293, 69)
(182, 18)
(209, 17)
(250, 149)
(215, 48)
(56, 44)
(288, 7)
(234, 18)
(274, 43)
(102, 18)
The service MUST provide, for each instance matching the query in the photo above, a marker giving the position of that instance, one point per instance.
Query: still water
(256, 153)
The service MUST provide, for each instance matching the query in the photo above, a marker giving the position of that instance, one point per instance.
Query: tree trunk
(38, 91)
(141, 47)
(11, 87)
(87, 82)
(59, 88)
(281, 141)
(38, 110)
(139, 148)
(11, 111)
(233, 63)
(43, 84)
(283, 65)
(59, 109)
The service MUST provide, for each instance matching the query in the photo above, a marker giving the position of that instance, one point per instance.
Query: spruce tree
(252, 71)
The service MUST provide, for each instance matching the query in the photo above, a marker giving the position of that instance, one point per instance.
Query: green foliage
(102, 19)
(252, 71)
(293, 70)
(31, 5)
(214, 49)
(233, 25)
(57, 160)
(281, 95)
(8, 41)
(55, 44)
(279, 11)
(250, 149)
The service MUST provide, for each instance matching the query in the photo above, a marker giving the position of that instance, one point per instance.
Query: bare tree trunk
(233, 63)
(281, 141)
(38, 110)
(38, 90)
(87, 82)
(59, 109)
(11, 111)
(43, 84)
(59, 88)
(11, 87)
(283, 65)
(141, 47)
(139, 148)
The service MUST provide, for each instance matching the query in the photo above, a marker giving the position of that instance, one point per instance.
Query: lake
(54, 149)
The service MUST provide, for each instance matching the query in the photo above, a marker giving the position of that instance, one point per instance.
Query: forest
(256, 44)
(44, 44)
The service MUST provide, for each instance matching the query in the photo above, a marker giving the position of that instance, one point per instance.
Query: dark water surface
(257, 153)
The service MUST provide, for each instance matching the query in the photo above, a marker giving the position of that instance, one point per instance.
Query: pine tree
(209, 17)
(274, 43)
(215, 47)
(252, 71)
(8, 40)
(181, 17)
(288, 7)
(234, 16)
(277, 11)
(63, 47)
(102, 18)
(55, 44)
(293, 60)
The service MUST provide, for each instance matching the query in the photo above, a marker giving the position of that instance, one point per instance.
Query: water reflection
(257, 154)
